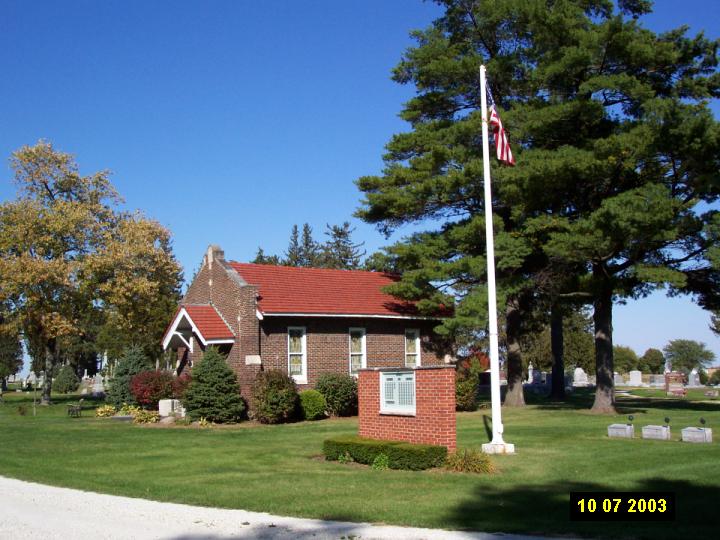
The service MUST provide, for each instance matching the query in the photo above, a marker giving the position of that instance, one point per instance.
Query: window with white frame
(397, 392)
(297, 353)
(412, 347)
(358, 354)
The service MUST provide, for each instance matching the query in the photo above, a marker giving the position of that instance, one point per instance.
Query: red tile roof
(208, 321)
(287, 289)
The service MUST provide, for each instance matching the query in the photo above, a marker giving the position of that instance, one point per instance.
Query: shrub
(132, 362)
(67, 381)
(703, 377)
(469, 460)
(214, 392)
(149, 387)
(180, 385)
(105, 410)
(129, 410)
(275, 397)
(400, 455)
(381, 462)
(340, 393)
(146, 417)
(313, 404)
(466, 393)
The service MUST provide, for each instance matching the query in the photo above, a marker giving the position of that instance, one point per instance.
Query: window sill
(299, 380)
(384, 412)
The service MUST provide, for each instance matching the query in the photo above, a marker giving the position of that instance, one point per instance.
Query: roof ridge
(317, 269)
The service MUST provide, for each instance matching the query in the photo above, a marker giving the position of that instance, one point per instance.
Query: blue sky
(229, 121)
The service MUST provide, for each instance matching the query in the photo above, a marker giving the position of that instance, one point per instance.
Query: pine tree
(339, 251)
(132, 362)
(310, 255)
(615, 147)
(214, 393)
(67, 380)
(261, 258)
(293, 255)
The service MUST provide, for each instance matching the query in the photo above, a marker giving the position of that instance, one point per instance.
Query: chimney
(214, 252)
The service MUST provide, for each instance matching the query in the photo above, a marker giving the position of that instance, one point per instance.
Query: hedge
(401, 455)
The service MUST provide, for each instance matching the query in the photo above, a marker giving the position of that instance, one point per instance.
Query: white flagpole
(497, 445)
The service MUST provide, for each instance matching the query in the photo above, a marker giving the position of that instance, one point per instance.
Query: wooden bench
(75, 411)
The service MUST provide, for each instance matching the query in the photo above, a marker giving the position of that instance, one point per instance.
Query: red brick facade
(434, 418)
(263, 343)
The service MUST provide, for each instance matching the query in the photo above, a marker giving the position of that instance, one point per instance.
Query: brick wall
(328, 345)
(434, 419)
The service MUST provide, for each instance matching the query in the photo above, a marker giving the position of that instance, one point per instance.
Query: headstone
(694, 379)
(580, 378)
(530, 379)
(621, 431)
(674, 384)
(592, 379)
(98, 388)
(696, 435)
(712, 393)
(618, 380)
(537, 377)
(171, 407)
(659, 433)
(657, 381)
(635, 378)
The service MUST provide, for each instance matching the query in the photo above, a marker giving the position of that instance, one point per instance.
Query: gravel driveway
(36, 511)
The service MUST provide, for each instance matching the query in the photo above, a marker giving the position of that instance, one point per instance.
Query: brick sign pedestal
(431, 422)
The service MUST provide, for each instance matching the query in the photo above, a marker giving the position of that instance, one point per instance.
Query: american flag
(502, 146)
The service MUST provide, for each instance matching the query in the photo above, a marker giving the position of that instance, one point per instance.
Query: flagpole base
(498, 448)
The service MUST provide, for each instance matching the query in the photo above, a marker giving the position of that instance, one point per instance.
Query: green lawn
(561, 448)
(694, 394)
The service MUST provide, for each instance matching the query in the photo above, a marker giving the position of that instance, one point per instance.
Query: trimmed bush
(400, 455)
(149, 387)
(275, 397)
(466, 393)
(214, 392)
(340, 393)
(469, 460)
(67, 381)
(313, 404)
(180, 385)
(715, 378)
(132, 362)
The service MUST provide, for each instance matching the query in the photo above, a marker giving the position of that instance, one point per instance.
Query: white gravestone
(622, 431)
(659, 433)
(696, 435)
(171, 407)
(694, 378)
(530, 373)
(580, 378)
(619, 381)
(635, 378)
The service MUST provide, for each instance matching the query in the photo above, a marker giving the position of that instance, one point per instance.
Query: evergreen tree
(339, 251)
(11, 352)
(310, 253)
(615, 147)
(214, 393)
(294, 255)
(261, 258)
(67, 380)
(132, 362)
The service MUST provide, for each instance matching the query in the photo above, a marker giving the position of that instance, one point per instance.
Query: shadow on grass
(543, 509)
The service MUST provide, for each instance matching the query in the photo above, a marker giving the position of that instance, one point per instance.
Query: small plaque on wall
(253, 360)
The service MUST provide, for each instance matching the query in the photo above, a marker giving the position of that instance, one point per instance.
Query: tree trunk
(602, 317)
(50, 360)
(3, 384)
(514, 396)
(557, 345)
